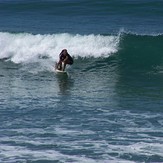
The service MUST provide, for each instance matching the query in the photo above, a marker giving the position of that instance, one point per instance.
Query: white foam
(140, 148)
(26, 48)
(16, 154)
(13, 154)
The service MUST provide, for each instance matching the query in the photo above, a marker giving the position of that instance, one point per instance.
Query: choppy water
(108, 108)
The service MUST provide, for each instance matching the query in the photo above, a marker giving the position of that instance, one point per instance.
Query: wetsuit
(62, 57)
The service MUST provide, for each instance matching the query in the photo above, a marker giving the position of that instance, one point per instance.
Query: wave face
(141, 51)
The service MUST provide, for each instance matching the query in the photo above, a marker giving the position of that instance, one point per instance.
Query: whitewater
(24, 47)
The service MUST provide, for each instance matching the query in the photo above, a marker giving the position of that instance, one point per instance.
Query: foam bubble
(27, 48)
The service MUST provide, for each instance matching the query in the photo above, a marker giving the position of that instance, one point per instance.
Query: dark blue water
(109, 106)
(81, 16)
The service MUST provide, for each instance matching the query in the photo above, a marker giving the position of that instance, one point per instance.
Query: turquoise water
(108, 108)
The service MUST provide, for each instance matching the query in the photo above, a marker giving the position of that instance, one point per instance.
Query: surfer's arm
(65, 59)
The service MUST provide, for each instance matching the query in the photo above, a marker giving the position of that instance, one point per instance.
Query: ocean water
(108, 109)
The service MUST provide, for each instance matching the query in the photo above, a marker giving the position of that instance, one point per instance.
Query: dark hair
(64, 50)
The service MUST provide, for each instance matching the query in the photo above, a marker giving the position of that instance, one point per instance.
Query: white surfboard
(59, 72)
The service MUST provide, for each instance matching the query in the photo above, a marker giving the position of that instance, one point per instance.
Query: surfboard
(60, 72)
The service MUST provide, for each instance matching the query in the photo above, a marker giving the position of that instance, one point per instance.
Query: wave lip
(94, 45)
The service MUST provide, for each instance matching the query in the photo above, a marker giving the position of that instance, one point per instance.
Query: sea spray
(27, 48)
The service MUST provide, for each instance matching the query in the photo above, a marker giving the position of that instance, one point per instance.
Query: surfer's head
(64, 50)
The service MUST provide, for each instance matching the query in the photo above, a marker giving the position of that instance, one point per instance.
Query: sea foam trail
(25, 47)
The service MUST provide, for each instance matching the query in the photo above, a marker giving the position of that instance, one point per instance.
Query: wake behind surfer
(64, 58)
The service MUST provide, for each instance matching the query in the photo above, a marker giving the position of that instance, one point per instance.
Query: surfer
(65, 58)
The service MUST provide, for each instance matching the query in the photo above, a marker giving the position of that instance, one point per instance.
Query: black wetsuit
(62, 57)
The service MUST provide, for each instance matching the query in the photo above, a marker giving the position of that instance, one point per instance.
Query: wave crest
(24, 47)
